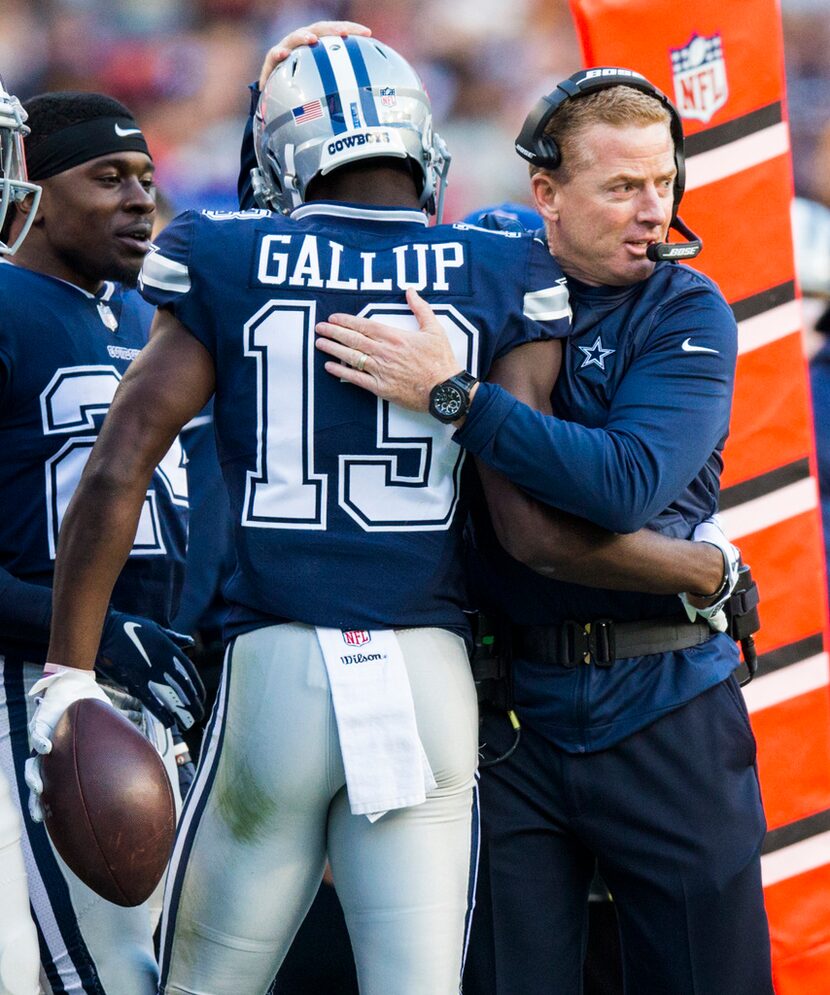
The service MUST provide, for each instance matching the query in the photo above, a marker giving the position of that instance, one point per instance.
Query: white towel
(383, 757)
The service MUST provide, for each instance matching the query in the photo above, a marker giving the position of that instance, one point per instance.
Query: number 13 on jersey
(286, 492)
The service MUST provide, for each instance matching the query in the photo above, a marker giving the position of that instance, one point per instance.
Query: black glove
(147, 661)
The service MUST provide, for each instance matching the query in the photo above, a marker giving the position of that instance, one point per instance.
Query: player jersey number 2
(69, 405)
(286, 491)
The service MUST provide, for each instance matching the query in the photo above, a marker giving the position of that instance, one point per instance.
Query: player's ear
(25, 205)
(23, 208)
(16, 218)
(545, 191)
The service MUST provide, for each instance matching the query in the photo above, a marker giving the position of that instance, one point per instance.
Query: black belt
(603, 641)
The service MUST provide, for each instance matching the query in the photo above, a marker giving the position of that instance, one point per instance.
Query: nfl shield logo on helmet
(699, 73)
(388, 96)
(355, 637)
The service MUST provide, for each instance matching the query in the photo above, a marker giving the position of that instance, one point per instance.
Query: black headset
(541, 150)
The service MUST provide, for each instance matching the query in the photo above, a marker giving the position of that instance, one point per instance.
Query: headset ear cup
(549, 157)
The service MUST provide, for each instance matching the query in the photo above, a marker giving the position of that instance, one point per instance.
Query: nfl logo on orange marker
(699, 73)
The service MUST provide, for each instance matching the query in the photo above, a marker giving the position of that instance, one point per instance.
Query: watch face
(447, 401)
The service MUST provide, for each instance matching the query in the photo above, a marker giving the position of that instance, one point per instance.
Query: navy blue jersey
(346, 509)
(62, 355)
(641, 411)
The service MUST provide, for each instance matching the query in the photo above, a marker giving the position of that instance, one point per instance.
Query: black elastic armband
(742, 606)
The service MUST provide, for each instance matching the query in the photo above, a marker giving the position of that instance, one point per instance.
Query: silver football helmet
(15, 184)
(342, 100)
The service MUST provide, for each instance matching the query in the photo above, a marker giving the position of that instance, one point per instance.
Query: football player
(67, 336)
(346, 723)
(19, 958)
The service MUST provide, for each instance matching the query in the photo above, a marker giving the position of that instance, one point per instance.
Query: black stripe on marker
(796, 832)
(751, 307)
(731, 131)
(764, 484)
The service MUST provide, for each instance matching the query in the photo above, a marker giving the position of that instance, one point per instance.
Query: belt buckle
(591, 642)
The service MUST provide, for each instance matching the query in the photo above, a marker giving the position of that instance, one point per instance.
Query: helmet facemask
(14, 183)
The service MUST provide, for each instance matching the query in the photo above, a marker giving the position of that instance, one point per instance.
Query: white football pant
(269, 804)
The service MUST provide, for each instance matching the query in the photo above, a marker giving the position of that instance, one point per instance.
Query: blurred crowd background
(178, 64)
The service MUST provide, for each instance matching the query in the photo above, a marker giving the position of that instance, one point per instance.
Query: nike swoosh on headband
(132, 635)
(123, 132)
(688, 347)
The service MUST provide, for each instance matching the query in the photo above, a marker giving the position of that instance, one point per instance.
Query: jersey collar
(332, 209)
(105, 294)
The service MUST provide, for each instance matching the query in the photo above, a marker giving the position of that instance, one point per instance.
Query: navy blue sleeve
(544, 311)
(25, 609)
(167, 279)
(671, 410)
(247, 156)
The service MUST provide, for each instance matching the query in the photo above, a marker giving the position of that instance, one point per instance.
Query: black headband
(78, 143)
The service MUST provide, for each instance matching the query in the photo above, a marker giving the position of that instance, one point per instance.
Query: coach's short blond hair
(619, 106)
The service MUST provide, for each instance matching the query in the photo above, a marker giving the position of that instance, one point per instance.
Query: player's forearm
(640, 561)
(566, 548)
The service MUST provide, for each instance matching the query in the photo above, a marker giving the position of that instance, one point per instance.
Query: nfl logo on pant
(356, 637)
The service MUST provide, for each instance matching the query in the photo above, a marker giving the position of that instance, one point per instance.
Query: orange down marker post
(723, 66)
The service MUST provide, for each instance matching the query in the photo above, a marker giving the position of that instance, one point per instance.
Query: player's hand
(390, 362)
(712, 608)
(306, 36)
(54, 692)
(148, 661)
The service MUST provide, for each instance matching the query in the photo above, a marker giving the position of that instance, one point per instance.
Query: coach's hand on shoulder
(711, 607)
(54, 692)
(306, 36)
(149, 662)
(394, 363)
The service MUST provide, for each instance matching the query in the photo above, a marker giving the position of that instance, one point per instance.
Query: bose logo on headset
(609, 71)
(542, 150)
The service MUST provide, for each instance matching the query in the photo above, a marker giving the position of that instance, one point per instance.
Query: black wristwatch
(450, 400)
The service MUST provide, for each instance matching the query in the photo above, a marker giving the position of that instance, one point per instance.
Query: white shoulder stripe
(548, 304)
(165, 274)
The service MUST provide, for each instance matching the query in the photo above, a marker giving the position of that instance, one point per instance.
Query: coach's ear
(545, 190)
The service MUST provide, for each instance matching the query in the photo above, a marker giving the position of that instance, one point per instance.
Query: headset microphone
(676, 250)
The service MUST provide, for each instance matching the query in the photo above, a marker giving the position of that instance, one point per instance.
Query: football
(107, 803)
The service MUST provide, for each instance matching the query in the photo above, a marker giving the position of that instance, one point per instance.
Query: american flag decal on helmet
(308, 112)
